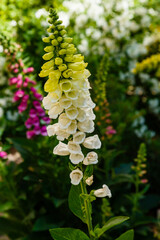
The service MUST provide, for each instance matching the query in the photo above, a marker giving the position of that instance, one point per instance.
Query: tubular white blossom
(61, 149)
(91, 158)
(103, 192)
(92, 142)
(76, 176)
(89, 180)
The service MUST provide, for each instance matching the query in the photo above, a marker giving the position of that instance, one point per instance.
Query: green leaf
(129, 235)
(112, 222)
(68, 234)
(89, 171)
(75, 203)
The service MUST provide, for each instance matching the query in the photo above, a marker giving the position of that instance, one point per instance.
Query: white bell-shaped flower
(81, 117)
(80, 102)
(55, 95)
(89, 180)
(55, 111)
(61, 149)
(103, 192)
(72, 94)
(51, 129)
(79, 137)
(92, 142)
(65, 85)
(76, 176)
(74, 147)
(65, 102)
(72, 127)
(76, 157)
(71, 112)
(86, 126)
(91, 158)
(47, 102)
(90, 114)
(64, 121)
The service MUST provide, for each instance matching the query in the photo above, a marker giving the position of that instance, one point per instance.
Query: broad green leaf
(89, 171)
(68, 234)
(75, 203)
(112, 222)
(129, 235)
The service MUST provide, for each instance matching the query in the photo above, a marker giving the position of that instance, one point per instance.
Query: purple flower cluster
(29, 99)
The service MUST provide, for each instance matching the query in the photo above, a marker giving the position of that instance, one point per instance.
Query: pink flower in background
(3, 154)
(30, 134)
(28, 98)
(110, 130)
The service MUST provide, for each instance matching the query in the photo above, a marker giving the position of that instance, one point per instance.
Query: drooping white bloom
(55, 110)
(89, 180)
(76, 157)
(91, 158)
(61, 149)
(74, 147)
(64, 121)
(103, 192)
(86, 126)
(76, 176)
(92, 142)
(79, 137)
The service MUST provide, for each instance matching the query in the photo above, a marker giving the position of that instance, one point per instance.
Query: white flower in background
(76, 176)
(1, 112)
(89, 180)
(103, 192)
(41, 12)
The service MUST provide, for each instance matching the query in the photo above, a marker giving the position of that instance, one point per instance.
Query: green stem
(87, 209)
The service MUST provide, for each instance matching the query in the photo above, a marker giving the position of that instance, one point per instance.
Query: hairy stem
(87, 210)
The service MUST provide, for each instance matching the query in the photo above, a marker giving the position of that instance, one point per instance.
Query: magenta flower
(16, 70)
(37, 130)
(29, 123)
(44, 131)
(13, 80)
(32, 113)
(37, 105)
(3, 154)
(30, 134)
(46, 120)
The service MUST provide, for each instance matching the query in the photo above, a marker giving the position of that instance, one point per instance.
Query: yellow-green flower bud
(54, 75)
(63, 32)
(59, 39)
(48, 56)
(71, 50)
(58, 22)
(55, 32)
(62, 52)
(64, 45)
(49, 29)
(68, 73)
(60, 27)
(48, 65)
(45, 73)
(77, 66)
(78, 58)
(62, 67)
(50, 85)
(49, 49)
(46, 39)
(68, 58)
(68, 39)
(52, 36)
(54, 42)
(58, 61)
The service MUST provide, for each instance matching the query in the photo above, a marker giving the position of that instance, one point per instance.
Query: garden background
(121, 43)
